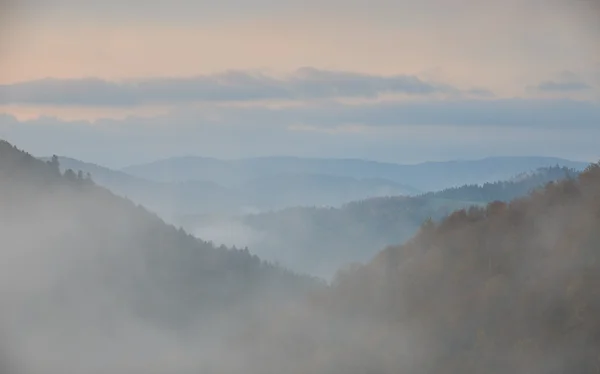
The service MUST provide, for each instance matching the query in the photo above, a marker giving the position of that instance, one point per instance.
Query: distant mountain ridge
(250, 193)
(520, 185)
(321, 240)
(428, 176)
(496, 288)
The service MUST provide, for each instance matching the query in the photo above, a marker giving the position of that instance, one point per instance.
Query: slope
(321, 240)
(92, 273)
(249, 193)
(507, 288)
(166, 199)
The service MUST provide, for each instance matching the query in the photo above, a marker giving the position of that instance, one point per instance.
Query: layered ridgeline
(198, 185)
(168, 199)
(427, 176)
(321, 240)
(506, 288)
(92, 283)
(518, 186)
(204, 191)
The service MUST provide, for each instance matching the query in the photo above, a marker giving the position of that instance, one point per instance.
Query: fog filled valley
(496, 278)
(321, 240)
(299, 187)
(306, 222)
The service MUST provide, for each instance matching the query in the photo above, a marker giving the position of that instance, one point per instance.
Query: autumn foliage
(509, 288)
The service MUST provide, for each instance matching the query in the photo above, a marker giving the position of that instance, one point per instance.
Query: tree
(55, 164)
(70, 175)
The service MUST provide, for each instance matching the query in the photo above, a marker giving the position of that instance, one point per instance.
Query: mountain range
(307, 222)
(202, 193)
(319, 241)
(423, 177)
(196, 185)
(503, 288)
(93, 283)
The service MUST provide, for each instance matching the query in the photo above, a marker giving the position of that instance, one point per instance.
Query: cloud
(304, 84)
(518, 112)
(481, 92)
(516, 40)
(565, 81)
(388, 131)
(563, 86)
(527, 113)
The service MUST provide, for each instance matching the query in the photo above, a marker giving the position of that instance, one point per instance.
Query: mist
(299, 187)
(315, 216)
(229, 232)
(67, 306)
(86, 288)
(94, 283)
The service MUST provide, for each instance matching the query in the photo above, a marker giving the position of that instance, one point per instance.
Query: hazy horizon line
(308, 158)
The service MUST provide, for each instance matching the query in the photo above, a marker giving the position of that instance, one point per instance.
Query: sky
(120, 82)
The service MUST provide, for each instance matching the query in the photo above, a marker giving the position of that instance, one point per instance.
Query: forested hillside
(506, 190)
(321, 240)
(506, 288)
(81, 266)
(428, 176)
(204, 194)
(501, 288)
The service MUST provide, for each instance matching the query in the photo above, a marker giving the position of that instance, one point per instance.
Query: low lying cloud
(506, 112)
(521, 113)
(563, 86)
(565, 81)
(397, 131)
(304, 84)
